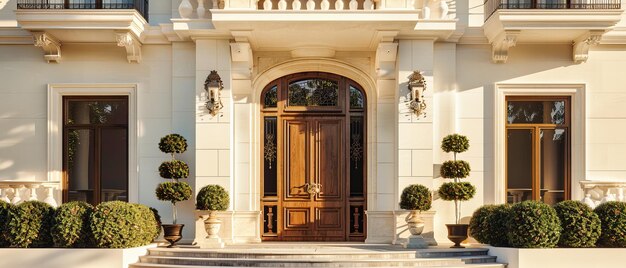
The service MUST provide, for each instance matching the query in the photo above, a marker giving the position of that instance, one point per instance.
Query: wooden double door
(314, 183)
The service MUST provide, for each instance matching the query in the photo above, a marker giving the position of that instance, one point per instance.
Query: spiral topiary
(455, 143)
(612, 216)
(212, 198)
(5, 216)
(416, 197)
(71, 225)
(581, 226)
(173, 144)
(173, 191)
(455, 169)
(459, 191)
(30, 225)
(479, 227)
(118, 224)
(174, 169)
(533, 225)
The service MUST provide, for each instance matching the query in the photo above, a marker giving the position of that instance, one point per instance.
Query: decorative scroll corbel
(50, 45)
(241, 55)
(132, 46)
(386, 59)
(580, 52)
(500, 47)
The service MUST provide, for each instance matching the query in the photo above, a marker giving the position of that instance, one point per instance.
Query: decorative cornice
(501, 45)
(580, 52)
(50, 45)
(131, 44)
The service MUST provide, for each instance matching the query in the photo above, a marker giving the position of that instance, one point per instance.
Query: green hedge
(212, 198)
(613, 219)
(416, 197)
(5, 213)
(71, 225)
(30, 225)
(533, 225)
(581, 226)
(119, 224)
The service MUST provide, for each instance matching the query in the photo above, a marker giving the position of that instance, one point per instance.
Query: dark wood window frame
(536, 128)
(95, 132)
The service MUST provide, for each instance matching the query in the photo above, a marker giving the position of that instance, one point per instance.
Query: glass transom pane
(357, 99)
(536, 112)
(270, 99)
(97, 112)
(313, 92)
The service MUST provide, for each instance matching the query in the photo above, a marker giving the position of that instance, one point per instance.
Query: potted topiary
(456, 191)
(212, 198)
(173, 190)
(415, 198)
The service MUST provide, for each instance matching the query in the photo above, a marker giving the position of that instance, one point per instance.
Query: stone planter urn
(212, 226)
(414, 223)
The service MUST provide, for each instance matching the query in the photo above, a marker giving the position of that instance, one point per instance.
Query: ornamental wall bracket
(501, 45)
(580, 51)
(131, 44)
(50, 45)
(417, 86)
(241, 55)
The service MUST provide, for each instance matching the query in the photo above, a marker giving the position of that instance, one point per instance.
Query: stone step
(154, 265)
(318, 262)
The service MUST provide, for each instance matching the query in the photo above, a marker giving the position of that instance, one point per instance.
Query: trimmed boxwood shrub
(455, 169)
(533, 225)
(71, 225)
(479, 226)
(157, 218)
(30, 225)
(580, 225)
(5, 210)
(455, 143)
(212, 198)
(174, 169)
(173, 144)
(416, 197)
(461, 191)
(498, 225)
(613, 219)
(118, 224)
(173, 191)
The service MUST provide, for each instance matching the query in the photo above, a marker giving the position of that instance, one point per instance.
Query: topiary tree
(456, 170)
(71, 225)
(212, 198)
(612, 216)
(488, 225)
(416, 197)
(5, 216)
(118, 224)
(30, 224)
(532, 224)
(580, 225)
(173, 191)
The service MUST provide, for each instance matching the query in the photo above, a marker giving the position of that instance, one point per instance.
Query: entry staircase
(317, 255)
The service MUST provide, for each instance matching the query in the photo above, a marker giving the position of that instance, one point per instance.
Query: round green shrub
(580, 225)
(173, 144)
(30, 225)
(157, 218)
(174, 169)
(71, 225)
(118, 224)
(455, 169)
(455, 143)
(416, 197)
(212, 198)
(173, 191)
(5, 216)
(479, 227)
(533, 225)
(461, 191)
(497, 222)
(613, 219)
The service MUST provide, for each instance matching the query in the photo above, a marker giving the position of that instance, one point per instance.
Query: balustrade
(492, 6)
(19, 191)
(601, 191)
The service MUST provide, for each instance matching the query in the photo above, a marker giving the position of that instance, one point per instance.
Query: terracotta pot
(457, 233)
(173, 233)
(414, 223)
(212, 225)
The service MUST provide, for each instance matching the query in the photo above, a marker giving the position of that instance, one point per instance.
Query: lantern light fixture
(417, 86)
(213, 86)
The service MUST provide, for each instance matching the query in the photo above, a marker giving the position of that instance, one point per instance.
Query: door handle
(313, 188)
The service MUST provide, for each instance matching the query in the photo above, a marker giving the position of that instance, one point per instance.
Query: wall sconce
(213, 86)
(417, 86)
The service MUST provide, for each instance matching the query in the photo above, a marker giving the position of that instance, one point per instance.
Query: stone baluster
(185, 9)
(216, 4)
(296, 5)
(368, 5)
(353, 5)
(16, 193)
(310, 5)
(50, 196)
(325, 5)
(3, 195)
(267, 5)
(201, 10)
(282, 5)
(33, 192)
(339, 5)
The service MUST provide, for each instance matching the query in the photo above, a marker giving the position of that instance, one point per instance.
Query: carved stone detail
(581, 45)
(386, 59)
(132, 45)
(50, 45)
(500, 47)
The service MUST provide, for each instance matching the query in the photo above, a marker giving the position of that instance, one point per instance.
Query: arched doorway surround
(305, 139)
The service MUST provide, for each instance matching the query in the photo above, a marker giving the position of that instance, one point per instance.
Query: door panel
(297, 158)
(328, 158)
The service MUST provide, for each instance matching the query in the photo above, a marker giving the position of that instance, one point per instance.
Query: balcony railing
(491, 6)
(140, 5)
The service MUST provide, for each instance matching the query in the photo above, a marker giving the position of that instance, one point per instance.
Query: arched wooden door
(313, 150)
